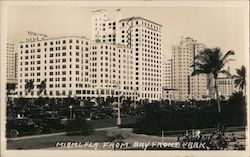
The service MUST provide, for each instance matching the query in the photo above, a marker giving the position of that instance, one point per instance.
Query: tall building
(62, 62)
(144, 38)
(167, 79)
(11, 63)
(187, 86)
(112, 65)
(102, 28)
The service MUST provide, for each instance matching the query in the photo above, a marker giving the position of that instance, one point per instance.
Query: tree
(29, 87)
(240, 79)
(42, 87)
(10, 88)
(212, 62)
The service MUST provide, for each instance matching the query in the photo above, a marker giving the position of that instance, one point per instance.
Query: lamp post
(70, 112)
(61, 95)
(170, 96)
(118, 105)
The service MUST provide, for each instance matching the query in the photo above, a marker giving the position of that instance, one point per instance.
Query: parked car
(21, 126)
(48, 122)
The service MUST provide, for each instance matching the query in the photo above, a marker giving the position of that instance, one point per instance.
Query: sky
(222, 27)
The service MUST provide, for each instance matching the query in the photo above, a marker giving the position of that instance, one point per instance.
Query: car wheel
(14, 133)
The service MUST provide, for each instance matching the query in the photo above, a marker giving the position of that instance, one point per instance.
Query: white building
(188, 87)
(144, 37)
(75, 66)
(225, 87)
(167, 79)
(63, 62)
(112, 65)
(11, 63)
(102, 28)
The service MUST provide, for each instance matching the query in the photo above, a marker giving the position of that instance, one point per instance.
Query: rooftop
(139, 18)
(53, 38)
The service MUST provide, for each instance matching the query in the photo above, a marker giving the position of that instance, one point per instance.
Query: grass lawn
(103, 123)
(47, 142)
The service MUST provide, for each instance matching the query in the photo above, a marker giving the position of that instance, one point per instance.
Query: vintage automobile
(21, 126)
(48, 122)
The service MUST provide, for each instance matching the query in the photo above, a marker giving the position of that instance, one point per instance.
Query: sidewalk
(53, 134)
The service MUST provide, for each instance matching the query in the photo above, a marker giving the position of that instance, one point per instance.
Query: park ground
(99, 140)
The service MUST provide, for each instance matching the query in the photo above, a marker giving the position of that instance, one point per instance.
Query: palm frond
(227, 55)
(226, 73)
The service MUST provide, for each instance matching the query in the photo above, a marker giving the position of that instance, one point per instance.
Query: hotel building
(124, 52)
(144, 38)
(75, 66)
(62, 62)
(188, 87)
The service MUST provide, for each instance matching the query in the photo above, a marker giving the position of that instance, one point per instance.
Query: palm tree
(240, 79)
(212, 62)
(29, 87)
(42, 87)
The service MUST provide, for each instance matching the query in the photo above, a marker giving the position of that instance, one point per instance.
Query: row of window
(54, 42)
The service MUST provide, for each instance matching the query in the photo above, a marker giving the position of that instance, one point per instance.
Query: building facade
(168, 92)
(75, 66)
(102, 28)
(144, 38)
(11, 63)
(62, 62)
(225, 86)
(188, 87)
(112, 67)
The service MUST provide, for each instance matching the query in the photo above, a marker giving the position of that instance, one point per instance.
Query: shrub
(78, 127)
(194, 114)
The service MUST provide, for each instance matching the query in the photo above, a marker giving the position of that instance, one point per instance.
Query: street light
(118, 105)
(61, 95)
(70, 111)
